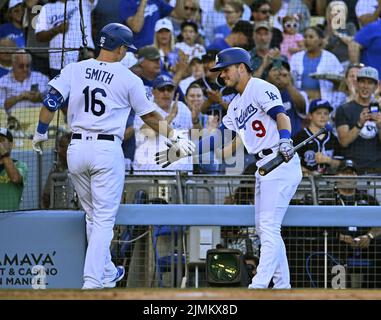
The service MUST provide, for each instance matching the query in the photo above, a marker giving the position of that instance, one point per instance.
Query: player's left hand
(286, 149)
(177, 148)
(38, 138)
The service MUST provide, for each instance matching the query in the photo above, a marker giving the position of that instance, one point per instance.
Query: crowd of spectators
(322, 55)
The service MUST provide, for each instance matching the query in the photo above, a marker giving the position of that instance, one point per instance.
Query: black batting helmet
(231, 56)
(114, 35)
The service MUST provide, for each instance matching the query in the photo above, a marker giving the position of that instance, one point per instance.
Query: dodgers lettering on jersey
(101, 95)
(247, 115)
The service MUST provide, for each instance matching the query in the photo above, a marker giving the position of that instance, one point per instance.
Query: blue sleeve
(127, 8)
(2, 32)
(274, 111)
(365, 35)
(213, 140)
(53, 100)
(164, 8)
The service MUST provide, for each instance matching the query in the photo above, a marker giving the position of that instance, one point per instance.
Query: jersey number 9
(258, 126)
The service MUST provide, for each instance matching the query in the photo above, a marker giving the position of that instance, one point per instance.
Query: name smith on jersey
(99, 75)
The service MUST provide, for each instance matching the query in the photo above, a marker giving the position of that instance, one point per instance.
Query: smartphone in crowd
(34, 87)
(374, 107)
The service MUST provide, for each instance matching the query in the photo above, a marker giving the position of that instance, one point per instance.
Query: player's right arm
(146, 110)
(207, 144)
(53, 100)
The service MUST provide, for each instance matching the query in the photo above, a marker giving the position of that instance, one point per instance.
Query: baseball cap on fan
(347, 165)
(368, 72)
(163, 81)
(319, 104)
(262, 25)
(6, 133)
(149, 53)
(14, 3)
(164, 23)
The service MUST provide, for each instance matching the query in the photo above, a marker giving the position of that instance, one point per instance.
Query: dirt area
(192, 294)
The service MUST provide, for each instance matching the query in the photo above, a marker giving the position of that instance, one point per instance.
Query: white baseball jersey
(247, 115)
(52, 15)
(101, 96)
(10, 87)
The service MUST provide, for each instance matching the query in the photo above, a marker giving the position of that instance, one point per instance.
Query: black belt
(100, 136)
(261, 154)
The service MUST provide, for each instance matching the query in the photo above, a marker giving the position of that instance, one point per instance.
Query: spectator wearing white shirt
(197, 72)
(367, 11)
(316, 60)
(188, 45)
(50, 27)
(178, 116)
(21, 87)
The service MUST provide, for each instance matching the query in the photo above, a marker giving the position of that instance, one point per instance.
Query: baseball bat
(273, 163)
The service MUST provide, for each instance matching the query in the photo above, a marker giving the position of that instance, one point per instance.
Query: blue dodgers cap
(163, 81)
(318, 104)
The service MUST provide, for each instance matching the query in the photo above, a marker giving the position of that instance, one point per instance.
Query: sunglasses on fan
(290, 24)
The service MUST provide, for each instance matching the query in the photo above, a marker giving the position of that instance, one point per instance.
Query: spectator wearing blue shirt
(241, 36)
(13, 29)
(141, 16)
(368, 40)
(233, 13)
(6, 58)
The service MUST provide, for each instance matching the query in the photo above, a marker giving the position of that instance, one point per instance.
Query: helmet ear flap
(220, 81)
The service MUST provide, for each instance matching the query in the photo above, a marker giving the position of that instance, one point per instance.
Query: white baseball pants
(96, 168)
(273, 193)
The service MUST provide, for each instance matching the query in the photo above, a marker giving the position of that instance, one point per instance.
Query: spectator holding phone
(358, 124)
(21, 87)
(13, 174)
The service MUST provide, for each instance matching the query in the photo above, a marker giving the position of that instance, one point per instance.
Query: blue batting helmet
(231, 56)
(114, 35)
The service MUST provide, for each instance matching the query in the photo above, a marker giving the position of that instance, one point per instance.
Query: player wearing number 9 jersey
(257, 115)
(101, 94)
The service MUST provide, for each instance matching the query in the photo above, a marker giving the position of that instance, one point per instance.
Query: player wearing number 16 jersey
(257, 115)
(101, 94)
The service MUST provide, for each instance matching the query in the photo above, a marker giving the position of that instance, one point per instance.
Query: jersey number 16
(91, 102)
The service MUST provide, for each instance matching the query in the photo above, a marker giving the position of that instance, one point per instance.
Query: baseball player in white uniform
(101, 94)
(257, 115)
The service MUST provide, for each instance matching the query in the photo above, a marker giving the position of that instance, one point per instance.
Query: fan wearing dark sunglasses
(292, 40)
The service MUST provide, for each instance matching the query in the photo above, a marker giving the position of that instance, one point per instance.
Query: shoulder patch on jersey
(272, 95)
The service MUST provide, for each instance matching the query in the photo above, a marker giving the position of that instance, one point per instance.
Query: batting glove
(178, 148)
(286, 149)
(38, 138)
